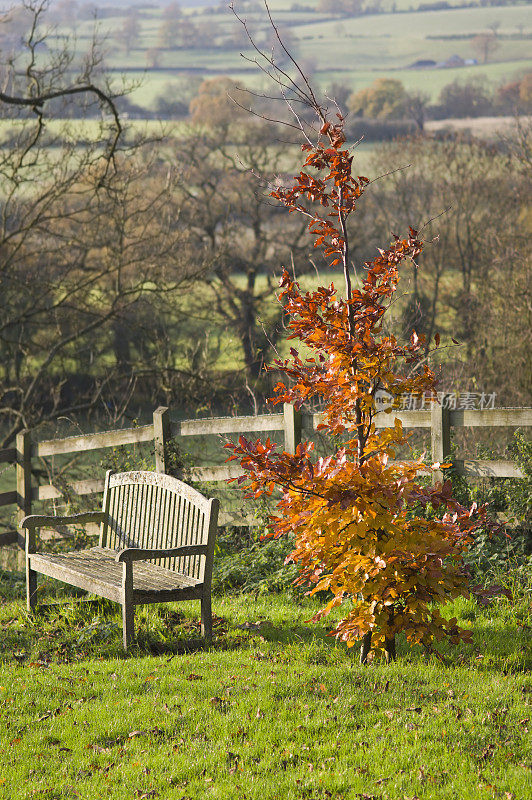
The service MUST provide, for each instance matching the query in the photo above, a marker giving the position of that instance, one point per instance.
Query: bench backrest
(152, 510)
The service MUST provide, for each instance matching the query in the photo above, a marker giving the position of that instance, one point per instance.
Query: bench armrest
(138, 554)
(37, 521)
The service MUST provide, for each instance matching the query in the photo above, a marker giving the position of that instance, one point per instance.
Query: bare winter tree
(88, 235)
(230, 165)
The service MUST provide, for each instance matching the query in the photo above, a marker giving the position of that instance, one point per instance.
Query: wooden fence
(293, 424)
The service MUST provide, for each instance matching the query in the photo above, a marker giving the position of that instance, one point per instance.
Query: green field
(353, 51)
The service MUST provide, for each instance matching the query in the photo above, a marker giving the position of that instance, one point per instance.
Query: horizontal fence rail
(93, 441)
(222, 425)
(295, 425)
(8, 455)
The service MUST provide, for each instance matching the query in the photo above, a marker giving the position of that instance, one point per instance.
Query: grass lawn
(273, 709)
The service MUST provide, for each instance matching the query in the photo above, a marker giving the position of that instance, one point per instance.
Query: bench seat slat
(96, 570)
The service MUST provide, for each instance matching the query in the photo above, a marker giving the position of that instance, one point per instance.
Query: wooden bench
(156, 545)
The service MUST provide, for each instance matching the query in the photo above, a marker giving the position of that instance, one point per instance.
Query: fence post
(161, 435)
(292, 428)
(440, 435)
(23, 479)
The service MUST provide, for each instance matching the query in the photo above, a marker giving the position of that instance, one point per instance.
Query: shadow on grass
(68, 627)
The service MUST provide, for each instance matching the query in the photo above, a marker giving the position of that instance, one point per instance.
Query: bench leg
(128, 612)
(206, 618)
(128, 623)
(31, 587)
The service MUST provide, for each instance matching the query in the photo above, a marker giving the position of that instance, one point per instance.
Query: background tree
(340, 93)
(153, 57)
(470, 201)
(384, 99)
(170, 33)
(485, 45)
(525, 91)
(214, 104)
(345, 8)
(470, 98)
(129, 31)
(171, 12)
(415, 106)
(238, 231)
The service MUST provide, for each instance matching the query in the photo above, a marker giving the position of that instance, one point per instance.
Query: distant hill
(7, 4)
(140, 3)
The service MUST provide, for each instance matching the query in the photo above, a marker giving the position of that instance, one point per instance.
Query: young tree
(362, 523)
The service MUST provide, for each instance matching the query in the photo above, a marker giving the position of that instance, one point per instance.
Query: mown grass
(273, 709)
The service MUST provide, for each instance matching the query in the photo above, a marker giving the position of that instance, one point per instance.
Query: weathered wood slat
(488, 417)
(8, 455)
(8, 498)
(41, 520)
(164, 481)
(230, 518)
(141, 597)
(98, 572)
(23, 472)
(94, 441)
(492, 417)
(409, 419)
(488, 469)
(219, 473)
(8, 537)
(64, 568)
(49, 492)
(220, 425)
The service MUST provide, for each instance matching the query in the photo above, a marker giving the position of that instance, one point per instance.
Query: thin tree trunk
(389, 649)
(365, 647)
